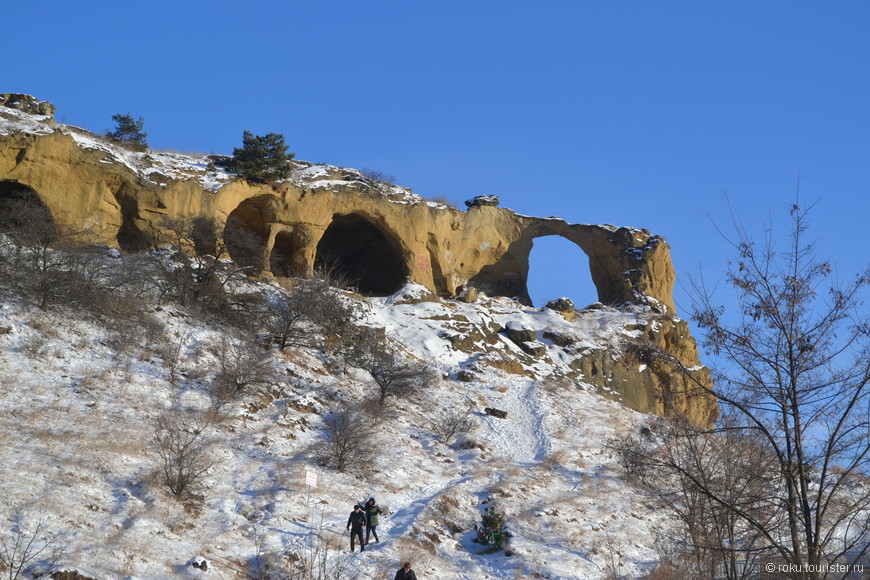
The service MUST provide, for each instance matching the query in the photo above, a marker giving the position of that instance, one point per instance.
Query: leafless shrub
(241, 366)
(614, 562)
(34, 345)
(377, 175)
(185, 264)
(451, 424)
(316, 559)
(312, 314)
(632, 452)
(183, 450)
(59, 270)
(29, 547)
(172, 358)
(395, 376)
(348, 440)
(675, 563)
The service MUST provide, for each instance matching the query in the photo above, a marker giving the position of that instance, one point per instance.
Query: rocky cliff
(378, 235)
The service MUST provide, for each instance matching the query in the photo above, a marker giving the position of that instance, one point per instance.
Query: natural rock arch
(555, 257)
(247, 231)
(23, 213)
(365, 254)
(509, 276)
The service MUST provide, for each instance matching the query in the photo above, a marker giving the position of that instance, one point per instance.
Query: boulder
(560, 305)
(564, 306)
(467, 294)
(492, 412)
(534, 348)
(199, 562)
(482, 200)
(518, 333)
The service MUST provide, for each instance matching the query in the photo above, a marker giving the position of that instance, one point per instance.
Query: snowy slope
(80, 401)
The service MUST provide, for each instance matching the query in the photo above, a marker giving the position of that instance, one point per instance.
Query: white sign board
(311, 478)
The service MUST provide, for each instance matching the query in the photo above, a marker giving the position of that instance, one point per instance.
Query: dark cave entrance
(363, 254)
(23, 215)
(247, 231)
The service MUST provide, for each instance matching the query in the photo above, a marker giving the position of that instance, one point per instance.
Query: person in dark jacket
(405, 572)
(355, 523)
(372, 511)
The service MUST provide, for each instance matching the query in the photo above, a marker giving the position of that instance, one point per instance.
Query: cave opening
(23, 215)
(281, 260)
(247, 232)
(364, 255)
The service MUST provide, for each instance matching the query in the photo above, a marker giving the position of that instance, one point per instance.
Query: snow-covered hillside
(80, 402)
(82, 396)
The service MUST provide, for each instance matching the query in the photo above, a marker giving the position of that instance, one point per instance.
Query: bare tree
(48, 264)
(793, 365)
(194, 272)
(183, 450)
(397, 377)
(666, 463)
(311, 315)
(241, 366)
(29, 544)
(348, 439)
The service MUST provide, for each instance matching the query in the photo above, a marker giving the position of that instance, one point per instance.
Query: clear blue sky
(630, 113)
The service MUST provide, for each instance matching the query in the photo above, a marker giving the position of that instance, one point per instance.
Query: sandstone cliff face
(378, 235)
(439, 247)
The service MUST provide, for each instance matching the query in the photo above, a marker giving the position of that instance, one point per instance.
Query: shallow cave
(247, 232)
(364, 255)
(281, 261)
(23, 215)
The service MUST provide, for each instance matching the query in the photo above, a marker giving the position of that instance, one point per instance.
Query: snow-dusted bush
(451, 424)
(183, 450)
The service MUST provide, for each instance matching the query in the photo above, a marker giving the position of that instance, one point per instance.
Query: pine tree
(129, 131)
(261, 158)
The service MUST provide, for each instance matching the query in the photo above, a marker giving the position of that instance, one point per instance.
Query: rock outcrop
(377, 235)
(27, 104)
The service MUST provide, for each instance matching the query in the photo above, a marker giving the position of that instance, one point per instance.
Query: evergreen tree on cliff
(128, 131)
(261, 158)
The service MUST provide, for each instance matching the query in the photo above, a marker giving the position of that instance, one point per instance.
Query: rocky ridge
(383, 235)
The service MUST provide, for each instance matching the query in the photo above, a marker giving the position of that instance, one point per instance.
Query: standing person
(405, 572)
(372, 510)
(355, 523)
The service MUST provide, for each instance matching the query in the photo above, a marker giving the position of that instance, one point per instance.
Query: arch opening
(362, 253)
(24, 216)
(282, 260)
(247, 232)
(559, 268)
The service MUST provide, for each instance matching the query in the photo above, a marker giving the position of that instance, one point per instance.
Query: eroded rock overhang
(337, 221)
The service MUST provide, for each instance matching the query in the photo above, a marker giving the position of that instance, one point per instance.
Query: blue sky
(631, 113)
